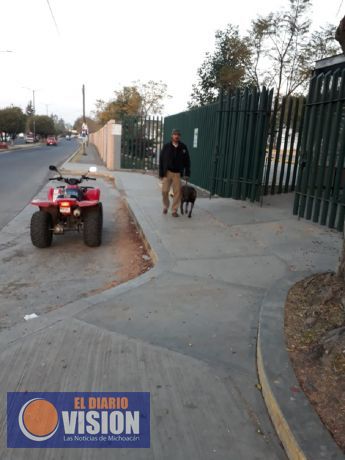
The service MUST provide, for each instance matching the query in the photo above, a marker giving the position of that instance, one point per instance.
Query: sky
(106, 44)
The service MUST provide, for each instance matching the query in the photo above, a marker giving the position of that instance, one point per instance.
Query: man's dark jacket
(174, 159)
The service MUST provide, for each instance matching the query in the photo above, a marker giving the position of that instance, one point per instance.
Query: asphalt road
(24, 172)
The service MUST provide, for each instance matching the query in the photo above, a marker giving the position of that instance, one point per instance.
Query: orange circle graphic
(40, 417)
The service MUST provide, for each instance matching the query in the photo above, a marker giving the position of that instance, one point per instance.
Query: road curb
(299, 428)
(161, 257)
(74, 154)
(16, 149)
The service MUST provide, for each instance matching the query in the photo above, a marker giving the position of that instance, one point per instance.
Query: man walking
(174, 163)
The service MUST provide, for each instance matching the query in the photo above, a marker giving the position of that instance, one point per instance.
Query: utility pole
(33, 109)
(84, 122)
(83, 91)
(33, 106)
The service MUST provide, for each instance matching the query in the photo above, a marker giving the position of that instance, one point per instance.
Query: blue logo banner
(70, 420)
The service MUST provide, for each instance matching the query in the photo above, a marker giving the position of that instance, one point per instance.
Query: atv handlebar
(72, 180)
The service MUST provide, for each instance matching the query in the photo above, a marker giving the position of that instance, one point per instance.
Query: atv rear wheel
(40, 229)
(93, 224)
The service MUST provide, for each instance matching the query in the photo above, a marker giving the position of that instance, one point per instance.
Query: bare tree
(153, 95)
(284, 50)
(283, 36)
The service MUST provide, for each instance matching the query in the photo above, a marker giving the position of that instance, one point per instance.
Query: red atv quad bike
(69, 207)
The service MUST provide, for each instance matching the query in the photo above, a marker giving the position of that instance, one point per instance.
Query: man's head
(175, 135)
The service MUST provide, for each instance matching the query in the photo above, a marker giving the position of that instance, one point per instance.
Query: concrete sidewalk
(90, 157)
(185, 331)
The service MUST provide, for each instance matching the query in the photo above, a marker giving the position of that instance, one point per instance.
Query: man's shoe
(174, 214)
(165, 211)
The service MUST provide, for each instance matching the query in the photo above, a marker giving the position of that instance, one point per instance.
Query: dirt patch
(315, 334)
(131, 251)
(131, 255)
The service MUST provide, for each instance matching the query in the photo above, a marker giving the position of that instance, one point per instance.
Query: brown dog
(188, 195)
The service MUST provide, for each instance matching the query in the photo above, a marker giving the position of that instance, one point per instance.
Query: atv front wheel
(40, 229)
(93, 223)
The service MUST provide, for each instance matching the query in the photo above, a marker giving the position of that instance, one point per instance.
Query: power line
(341, 4)
(51, 12)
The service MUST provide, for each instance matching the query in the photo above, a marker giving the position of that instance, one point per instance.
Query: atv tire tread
(93, 223)
(40, 229)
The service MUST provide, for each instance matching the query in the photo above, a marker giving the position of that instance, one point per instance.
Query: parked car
(30, 138)
(51, 140)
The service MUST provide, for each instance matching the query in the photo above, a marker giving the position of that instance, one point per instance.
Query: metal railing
(142, 140)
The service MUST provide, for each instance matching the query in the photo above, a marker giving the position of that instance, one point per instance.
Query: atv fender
(88, 204)
(92, 194)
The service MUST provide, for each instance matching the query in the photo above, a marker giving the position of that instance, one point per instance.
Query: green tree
(127, 101)
(44, 125)
(30, 109)
(12, 120)
(225, 68)
(60, 127)
(99, 112)
(140, 99)
(59, 124)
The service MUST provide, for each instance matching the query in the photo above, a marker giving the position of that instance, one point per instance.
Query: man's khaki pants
(173, 179)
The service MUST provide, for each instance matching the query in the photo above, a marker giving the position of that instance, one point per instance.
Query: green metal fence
(198, 132)
(248, 145)
(244, 146)
(239, 153)
(283, 145)
(320, 189)
(141, 140)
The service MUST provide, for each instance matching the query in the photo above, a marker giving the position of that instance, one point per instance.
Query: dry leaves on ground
(315, 334)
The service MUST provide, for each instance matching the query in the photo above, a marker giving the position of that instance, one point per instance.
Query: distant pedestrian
(174, 163)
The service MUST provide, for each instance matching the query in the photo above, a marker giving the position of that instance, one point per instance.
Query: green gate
(141, 142)
(244, 145)
(283, 146)
(240, 147)
(320, 189)
(198, 132)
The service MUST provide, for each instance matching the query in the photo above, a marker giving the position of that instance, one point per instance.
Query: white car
(30, 139)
